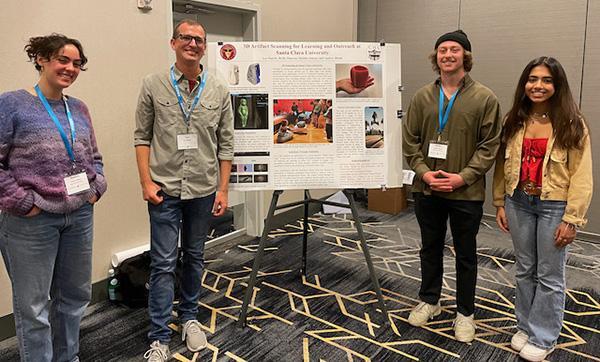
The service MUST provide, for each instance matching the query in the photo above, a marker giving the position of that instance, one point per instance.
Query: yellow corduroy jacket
(566, 176)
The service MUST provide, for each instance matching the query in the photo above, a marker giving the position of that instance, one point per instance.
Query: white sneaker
(194, 337)
(158, 352)
(518, 340)
(423, 312)
(464, 328)
(533, 353)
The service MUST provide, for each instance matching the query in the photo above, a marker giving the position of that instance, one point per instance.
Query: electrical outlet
(144, 4)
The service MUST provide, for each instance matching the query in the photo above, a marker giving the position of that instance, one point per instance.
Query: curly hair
(48, 46)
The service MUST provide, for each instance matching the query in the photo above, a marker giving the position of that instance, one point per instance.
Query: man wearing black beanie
(450, 139)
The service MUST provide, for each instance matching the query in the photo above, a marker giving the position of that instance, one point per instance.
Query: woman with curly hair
(51, 174)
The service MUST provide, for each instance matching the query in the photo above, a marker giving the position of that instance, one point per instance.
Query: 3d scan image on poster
(313, 115)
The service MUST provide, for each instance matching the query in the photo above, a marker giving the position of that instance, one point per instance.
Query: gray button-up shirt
(189, 173)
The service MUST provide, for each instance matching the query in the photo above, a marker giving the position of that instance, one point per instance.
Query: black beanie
(458, 36)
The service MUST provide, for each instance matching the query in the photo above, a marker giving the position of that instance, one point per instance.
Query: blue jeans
(166, 220)
(49, 261)
(540, 266)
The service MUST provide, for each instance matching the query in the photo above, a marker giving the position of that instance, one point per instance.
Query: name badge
(77, 183)
(408, 176)
(187, 141)
(438, 149)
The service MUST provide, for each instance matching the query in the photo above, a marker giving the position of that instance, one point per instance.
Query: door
(228, 21)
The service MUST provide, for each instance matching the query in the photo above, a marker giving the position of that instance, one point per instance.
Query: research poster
(313, 115)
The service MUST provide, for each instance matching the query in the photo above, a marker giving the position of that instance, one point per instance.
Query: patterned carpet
(330, 315)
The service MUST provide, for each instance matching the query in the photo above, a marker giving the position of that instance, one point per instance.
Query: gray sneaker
(194, 337)
(158, 352)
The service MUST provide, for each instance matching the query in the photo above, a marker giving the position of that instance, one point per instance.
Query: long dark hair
(567, 120)
(49, 45)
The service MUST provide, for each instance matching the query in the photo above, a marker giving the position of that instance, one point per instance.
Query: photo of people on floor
(302, 121)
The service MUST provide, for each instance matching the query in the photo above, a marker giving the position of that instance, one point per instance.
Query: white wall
(124, 44)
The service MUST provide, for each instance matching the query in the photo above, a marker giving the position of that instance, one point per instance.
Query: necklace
(539, 115)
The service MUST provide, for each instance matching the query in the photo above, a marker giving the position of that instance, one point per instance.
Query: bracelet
(575, 227)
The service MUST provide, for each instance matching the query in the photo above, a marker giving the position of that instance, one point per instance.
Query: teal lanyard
(61, 130)
(187, 113)
(443, 115)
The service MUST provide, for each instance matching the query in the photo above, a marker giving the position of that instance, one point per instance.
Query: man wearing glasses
(184, 147)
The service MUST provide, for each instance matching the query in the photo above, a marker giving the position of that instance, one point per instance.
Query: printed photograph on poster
(373, 127)
(261, 167)
(244, 168)
(358, 81)
(261, 178)
(253, 73)
(233, 76)
(250, 111)
(302, 121)
(245, 179)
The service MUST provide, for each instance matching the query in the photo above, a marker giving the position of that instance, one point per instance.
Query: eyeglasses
(188, 39)
(77, 63)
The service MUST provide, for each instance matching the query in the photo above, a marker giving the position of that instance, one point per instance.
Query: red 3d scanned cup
(359, 75)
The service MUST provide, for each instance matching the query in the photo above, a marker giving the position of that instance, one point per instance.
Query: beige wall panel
(307, 20)
(590, 105)
(416, 25)
(506, 35)
(367, 18)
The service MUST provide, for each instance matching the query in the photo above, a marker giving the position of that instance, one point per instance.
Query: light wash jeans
(540, 266)
(166, 220)
(49, 261)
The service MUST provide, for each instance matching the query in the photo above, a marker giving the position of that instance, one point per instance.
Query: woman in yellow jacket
(542, 190)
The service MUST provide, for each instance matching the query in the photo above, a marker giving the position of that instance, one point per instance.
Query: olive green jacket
(472, 132)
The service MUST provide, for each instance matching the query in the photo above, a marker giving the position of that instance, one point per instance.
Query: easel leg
(365, 248)
(305, 232)
(257, 259)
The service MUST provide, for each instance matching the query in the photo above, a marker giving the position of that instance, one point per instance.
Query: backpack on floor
(134, 276)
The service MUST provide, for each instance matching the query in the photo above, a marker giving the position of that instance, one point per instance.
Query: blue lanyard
(186, 114)
(443, 119)
(60, 128)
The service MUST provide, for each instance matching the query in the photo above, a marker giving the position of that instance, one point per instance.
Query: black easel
(306, 202)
